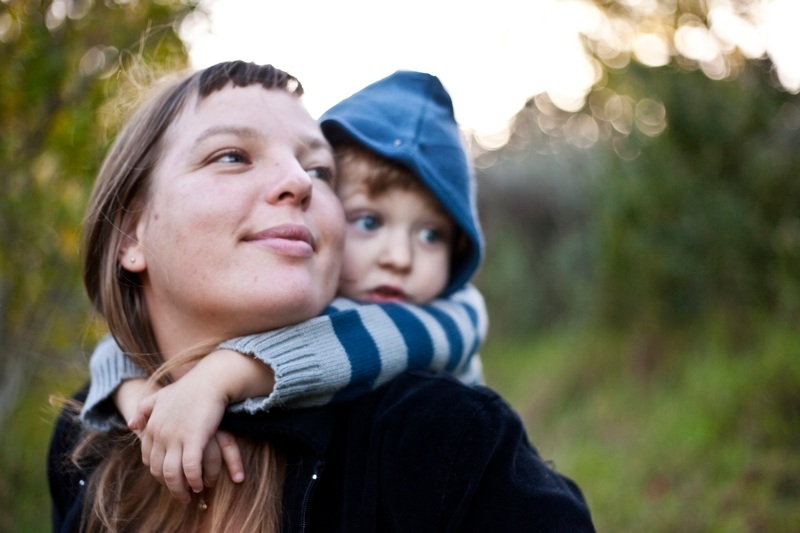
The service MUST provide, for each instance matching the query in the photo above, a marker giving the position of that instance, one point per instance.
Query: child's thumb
(138, 422)
(143, 412)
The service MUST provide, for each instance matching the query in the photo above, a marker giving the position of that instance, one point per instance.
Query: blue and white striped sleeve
(354, 348)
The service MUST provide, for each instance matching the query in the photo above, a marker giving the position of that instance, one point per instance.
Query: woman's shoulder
(442, 395)
(421, 407)
(466, 449)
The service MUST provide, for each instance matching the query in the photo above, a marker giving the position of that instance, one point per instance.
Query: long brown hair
(121, 494)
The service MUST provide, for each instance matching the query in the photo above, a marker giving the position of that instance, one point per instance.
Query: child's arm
(354, 348)
(342, 354)
(345, 353)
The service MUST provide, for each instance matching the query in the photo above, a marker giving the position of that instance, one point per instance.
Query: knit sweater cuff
(309, 363)
(109, 368)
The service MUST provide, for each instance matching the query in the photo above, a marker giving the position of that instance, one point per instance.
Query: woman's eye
(322, 173)
(366, 222)
(231, 157)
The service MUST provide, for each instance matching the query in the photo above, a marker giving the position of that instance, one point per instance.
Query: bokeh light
(495, 56)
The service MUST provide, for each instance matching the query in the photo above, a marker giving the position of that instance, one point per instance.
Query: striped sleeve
(354, 348)
(344, 353)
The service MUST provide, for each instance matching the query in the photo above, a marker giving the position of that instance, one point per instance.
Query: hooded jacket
(408, 118)
(422, 453)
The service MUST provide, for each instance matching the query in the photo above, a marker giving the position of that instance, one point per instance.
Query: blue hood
(408, 117)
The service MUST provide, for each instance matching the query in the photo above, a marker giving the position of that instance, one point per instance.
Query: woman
(213, 217)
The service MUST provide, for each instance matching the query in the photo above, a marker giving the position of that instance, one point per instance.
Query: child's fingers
(146, 447)
(232, 455)
(193, 467)
(173, 476)
(212, 463)
(155, 458)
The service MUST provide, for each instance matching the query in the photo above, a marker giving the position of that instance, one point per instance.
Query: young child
(412, 236)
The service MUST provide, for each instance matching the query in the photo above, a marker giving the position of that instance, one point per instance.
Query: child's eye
(366, 222)
(431, 235)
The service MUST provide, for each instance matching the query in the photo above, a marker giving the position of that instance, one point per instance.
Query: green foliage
(535, 210)
(705, 218)
(705, 440)
(23, 450)
(654, 228)
(60, 61)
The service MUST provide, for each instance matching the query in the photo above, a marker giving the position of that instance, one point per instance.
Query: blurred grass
(697, 432)
(692, 431)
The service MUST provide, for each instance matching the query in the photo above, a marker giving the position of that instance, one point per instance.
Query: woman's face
(241, 231)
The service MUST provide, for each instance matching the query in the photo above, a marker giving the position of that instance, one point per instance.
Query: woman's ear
(131, 252)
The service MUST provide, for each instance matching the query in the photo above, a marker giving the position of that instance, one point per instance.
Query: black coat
(422, 453)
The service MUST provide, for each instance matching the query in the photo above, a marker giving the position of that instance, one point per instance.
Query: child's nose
(398, 253)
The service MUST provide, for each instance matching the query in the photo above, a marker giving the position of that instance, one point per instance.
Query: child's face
(397, 247)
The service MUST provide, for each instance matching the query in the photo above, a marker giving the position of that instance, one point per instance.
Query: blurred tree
(672, 190)
(705, 218)
(60, 59)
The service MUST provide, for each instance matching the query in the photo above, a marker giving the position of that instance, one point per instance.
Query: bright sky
(491, 55)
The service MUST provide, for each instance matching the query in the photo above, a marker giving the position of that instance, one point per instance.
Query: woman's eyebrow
(316, 142)
(239, 131)
(313, 143)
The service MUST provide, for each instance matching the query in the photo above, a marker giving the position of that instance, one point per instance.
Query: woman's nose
(291, 184)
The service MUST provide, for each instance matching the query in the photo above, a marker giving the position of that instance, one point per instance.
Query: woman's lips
(287, 239)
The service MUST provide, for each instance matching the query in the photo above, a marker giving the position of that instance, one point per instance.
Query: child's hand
(176, 423)
(222, 448)
(177, 443)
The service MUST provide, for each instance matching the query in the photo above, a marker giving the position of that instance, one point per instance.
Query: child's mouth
(387, 293)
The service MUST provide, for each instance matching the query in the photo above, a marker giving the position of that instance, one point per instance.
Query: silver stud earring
(133, 259)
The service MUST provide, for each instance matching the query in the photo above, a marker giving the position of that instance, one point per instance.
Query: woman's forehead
(268, 112)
